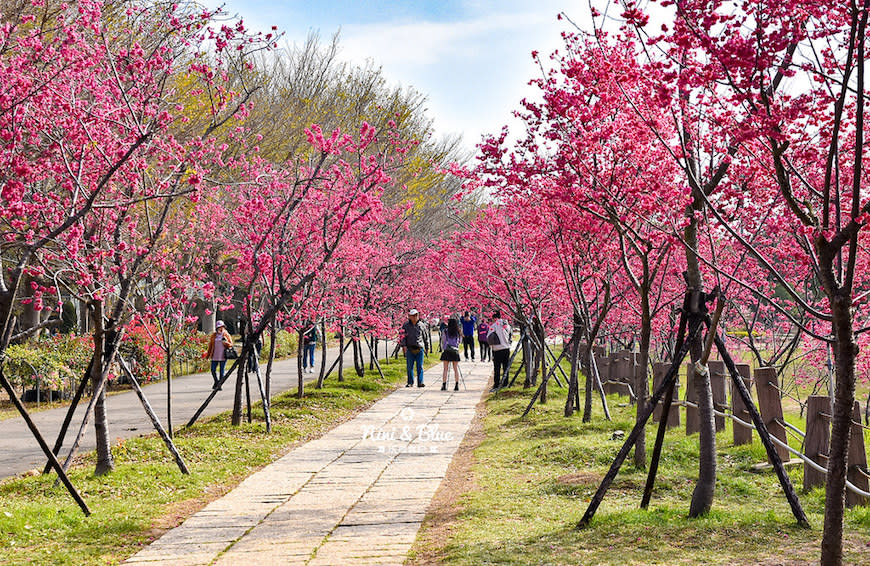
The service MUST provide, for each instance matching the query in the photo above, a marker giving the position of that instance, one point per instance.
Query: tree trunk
(590, 384)
(105, 462)
(359, 362)
(845, 351)
(341, 353)
(641, 382)
(169, 391)
(268, 378)
(539, 330)
(237, 398)
(322, 375)
(300, 352)
(573, 377)
(702, 497)
(527, 357)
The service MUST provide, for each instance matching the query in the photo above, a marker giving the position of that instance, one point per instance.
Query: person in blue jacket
(468, 324)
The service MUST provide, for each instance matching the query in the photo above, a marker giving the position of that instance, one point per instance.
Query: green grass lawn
(534, 479)
(41, 525)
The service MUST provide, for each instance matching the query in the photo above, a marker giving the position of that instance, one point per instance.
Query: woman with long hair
(450, 341)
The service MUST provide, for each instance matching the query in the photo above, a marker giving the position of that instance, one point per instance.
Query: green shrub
(286, 345)
(56, 362)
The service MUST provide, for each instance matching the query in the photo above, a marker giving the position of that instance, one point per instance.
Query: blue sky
(471, 58)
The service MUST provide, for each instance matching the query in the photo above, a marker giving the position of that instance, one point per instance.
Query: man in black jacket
(412, 344)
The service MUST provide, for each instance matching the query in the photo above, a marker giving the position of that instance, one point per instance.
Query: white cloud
(472, 58)
(474, 71)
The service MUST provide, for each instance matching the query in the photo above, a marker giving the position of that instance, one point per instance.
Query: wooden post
(817, 441)
(742, 435)
(692, 419)
(659, 371)
(857, 461)
(720, 391)
(770, 406)
(605, 368)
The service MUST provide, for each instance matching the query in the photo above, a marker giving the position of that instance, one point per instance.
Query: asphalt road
(127, 418)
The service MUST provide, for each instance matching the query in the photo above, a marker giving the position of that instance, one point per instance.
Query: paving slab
(356, 495)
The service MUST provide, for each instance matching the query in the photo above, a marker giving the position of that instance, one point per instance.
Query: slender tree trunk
(359, 362)
(702, 496)
(573, 377)
(845, 351)
(168, 392)
(590, 384)
(527, 356)
(237, 397)
(341, 353)
(300, 352)
(273, 338)
(105, 462)
(322, 375)
(641, 382)
(539, 330)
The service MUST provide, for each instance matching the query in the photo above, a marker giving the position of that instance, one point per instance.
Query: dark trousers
(500, 371)
(485, 352)
(468, 343)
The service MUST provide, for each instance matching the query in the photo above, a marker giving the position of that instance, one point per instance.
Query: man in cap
(412, 345)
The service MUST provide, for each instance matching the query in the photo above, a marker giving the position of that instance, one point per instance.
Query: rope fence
(807, 460)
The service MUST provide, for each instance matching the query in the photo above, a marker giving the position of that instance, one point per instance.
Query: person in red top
(218, 343)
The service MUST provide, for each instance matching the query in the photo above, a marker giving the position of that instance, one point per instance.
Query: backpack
(492, 338)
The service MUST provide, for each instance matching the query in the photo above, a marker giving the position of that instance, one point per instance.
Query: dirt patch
(439, 524)
(580, 478)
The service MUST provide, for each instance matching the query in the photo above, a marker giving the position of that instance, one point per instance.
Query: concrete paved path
(19, 451)
(357, 495)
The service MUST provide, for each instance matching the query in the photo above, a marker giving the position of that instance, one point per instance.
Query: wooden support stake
(817, 440)
(742, 435)
(770, 405)
(638, 429)
(857, 461)
(659, 371)
(58, 443)
(720, 391)
(44, 445)
(213, 393)
(155, 421)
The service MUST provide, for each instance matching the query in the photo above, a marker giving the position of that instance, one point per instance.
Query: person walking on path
(499, 339)
(218, 344)
(468, 324)
(309, 339)
(482, 331)
(412, 345)
(450, 352)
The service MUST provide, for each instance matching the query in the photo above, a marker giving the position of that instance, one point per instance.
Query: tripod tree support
(784, 481)
(663, 419)
(44, 445)
(155, 421)
(666, 388)
(638, 429)
(213, 393)
(58, 444)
